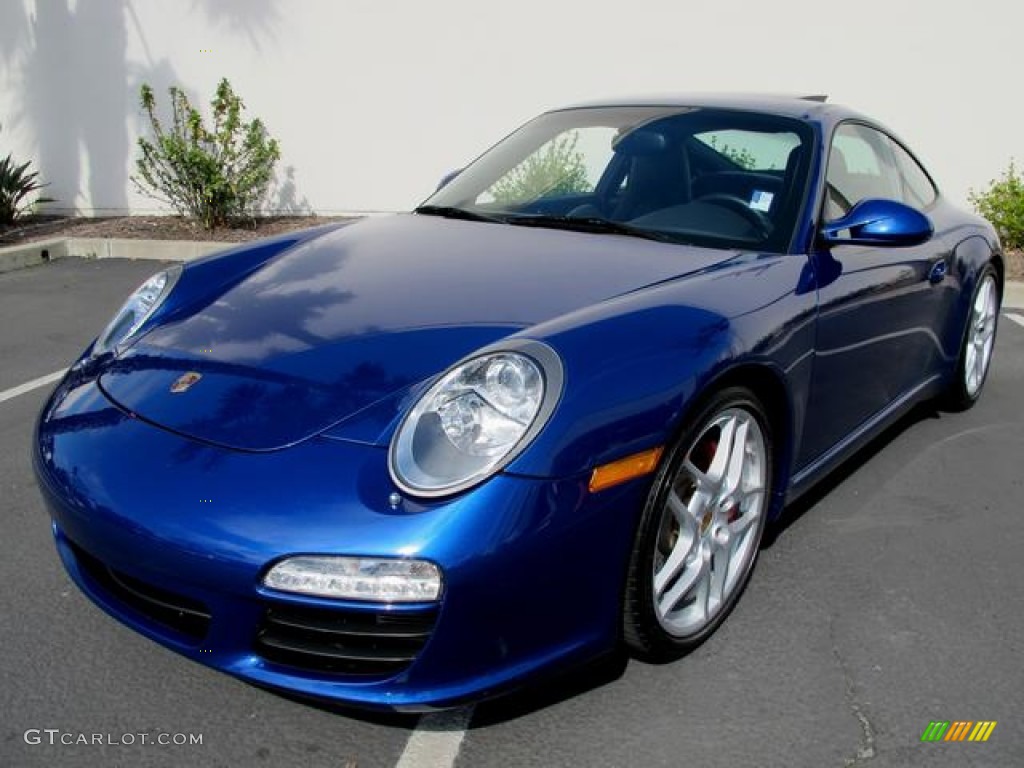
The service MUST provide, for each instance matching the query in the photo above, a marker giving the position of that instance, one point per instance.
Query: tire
(976, 347)
(701, 528)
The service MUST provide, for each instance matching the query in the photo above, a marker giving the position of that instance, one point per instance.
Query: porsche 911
(426, 458)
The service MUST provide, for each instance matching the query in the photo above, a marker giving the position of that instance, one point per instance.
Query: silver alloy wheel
(980, 336)
(709, 529)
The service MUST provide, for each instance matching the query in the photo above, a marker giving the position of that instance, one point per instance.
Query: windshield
(714, 177)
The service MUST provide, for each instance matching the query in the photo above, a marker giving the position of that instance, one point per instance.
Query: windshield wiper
(451, 212)
(590, 224)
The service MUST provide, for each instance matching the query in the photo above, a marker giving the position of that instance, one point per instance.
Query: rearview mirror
(878, 222)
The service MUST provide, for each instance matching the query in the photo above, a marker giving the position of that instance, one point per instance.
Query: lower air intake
(344, 642)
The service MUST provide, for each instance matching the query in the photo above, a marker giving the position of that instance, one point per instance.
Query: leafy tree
(212, 174)
(1003, 204)
(556, 169)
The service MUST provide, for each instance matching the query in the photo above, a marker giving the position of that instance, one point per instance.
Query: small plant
(557, 169)
(741, 156)
(17, 184)
(214, 175)
(1003, 204)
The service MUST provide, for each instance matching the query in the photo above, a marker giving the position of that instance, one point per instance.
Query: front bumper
(172, 537)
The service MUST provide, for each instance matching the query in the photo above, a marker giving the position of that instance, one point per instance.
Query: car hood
(341, 322)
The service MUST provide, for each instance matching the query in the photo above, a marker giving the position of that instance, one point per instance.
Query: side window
(918, 189)
(861, 165)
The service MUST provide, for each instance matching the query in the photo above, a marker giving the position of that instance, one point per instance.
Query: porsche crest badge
(185, 382)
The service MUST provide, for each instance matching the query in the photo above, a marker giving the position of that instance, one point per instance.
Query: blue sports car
(425, 458)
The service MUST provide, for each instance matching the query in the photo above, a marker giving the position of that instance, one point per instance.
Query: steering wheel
(761, 224)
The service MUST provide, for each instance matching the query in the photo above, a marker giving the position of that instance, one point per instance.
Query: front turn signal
(618, 472)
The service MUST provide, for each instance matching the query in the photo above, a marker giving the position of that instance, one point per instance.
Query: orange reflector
(637, 465)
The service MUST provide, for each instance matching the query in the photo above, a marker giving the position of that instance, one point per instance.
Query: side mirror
(878, 222)
(448, 177)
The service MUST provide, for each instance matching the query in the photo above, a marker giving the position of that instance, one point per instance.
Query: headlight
(475, 419)
(138, 309)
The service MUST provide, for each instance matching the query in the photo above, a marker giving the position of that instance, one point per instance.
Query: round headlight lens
(471, 422)
(137, 309)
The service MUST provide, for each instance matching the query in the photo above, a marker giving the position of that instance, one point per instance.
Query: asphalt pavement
(889, 599)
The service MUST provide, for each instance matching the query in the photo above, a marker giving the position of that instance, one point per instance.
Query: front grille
(184, 615)
(344, 642)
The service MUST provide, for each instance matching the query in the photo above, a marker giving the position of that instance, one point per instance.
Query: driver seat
(655, 181)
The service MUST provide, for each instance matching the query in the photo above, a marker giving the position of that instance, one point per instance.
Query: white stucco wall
(373, 100)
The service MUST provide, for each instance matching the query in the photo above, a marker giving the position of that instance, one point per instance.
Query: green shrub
(1003, 204)
(739, 155)
(17, 183)
(213, 174)
(556, 169)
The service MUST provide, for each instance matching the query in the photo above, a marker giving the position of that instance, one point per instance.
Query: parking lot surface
(892, 598)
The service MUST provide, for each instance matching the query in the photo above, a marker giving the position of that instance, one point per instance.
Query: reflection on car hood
(341, 322)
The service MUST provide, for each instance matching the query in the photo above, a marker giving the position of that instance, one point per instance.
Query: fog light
(357, 578)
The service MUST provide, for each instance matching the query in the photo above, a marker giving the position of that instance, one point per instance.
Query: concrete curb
(39, 252)
(161, 250)
(29, 254)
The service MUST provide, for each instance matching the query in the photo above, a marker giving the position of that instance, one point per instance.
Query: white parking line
(1018, 319)
(28, 386)
(435, 742)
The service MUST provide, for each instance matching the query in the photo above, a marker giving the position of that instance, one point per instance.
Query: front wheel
(701, 528)
(976, 348)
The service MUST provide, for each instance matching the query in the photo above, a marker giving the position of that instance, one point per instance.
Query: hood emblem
(185, 382)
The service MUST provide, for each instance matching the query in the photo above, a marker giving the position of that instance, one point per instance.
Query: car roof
(814, 108)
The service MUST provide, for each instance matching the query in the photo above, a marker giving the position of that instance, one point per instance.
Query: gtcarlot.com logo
(56, 736)
(958, 730)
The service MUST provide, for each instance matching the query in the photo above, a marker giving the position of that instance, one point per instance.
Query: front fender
(635, 365)
(628, 377)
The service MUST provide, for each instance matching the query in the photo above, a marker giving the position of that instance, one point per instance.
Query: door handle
(938, 272)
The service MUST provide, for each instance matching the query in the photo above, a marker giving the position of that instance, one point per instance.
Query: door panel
(877, 338)
(881, 310)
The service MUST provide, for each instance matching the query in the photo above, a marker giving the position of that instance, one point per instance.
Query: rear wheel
(976, 347)
(701, 528)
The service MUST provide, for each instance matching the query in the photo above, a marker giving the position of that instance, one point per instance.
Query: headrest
(640, 142)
